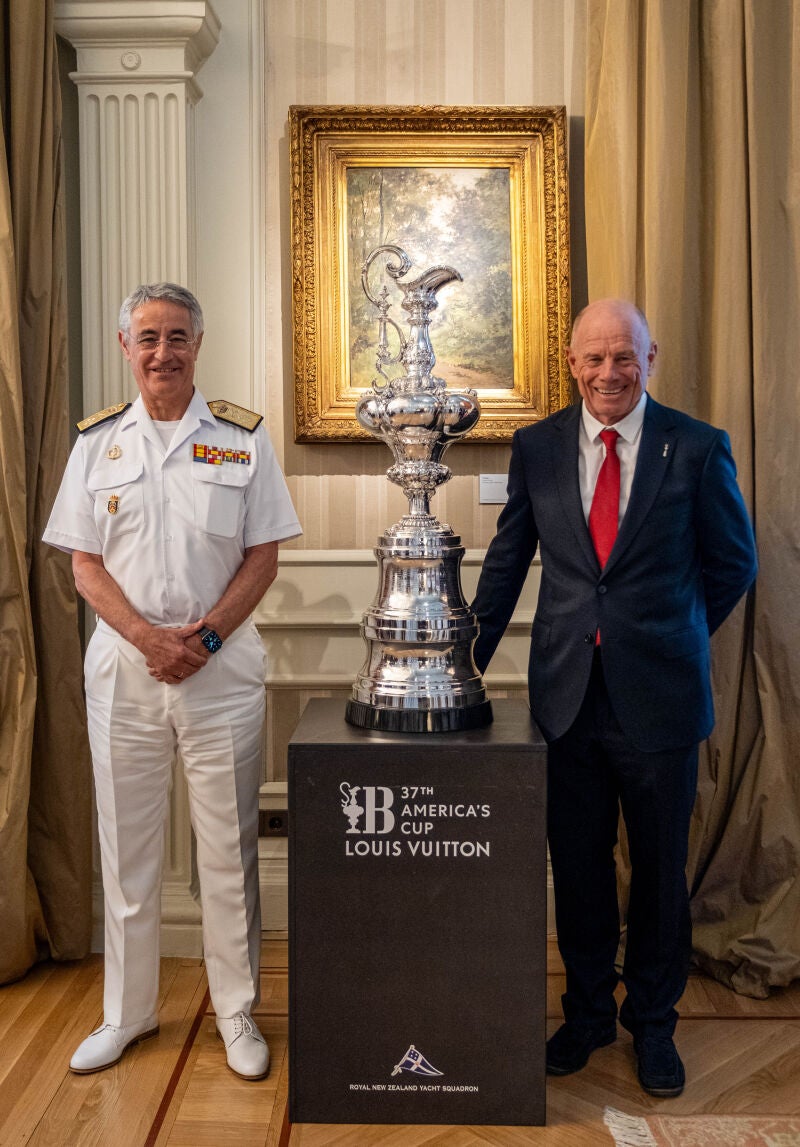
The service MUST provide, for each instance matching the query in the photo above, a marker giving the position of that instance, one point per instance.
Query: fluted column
(137, 62)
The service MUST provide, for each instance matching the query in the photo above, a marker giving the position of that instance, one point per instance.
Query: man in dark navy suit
(645, 547)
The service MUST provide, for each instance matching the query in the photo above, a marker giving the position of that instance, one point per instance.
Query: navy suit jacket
(683, 557)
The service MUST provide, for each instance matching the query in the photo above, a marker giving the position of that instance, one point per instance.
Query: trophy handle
(396, 270)
(381, 301)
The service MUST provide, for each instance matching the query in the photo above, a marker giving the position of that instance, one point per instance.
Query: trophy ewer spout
(419, 674)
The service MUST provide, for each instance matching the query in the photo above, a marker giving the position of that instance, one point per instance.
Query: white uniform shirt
(172, 530)
(592, 452)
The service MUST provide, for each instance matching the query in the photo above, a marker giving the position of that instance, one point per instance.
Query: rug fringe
(628, 1130)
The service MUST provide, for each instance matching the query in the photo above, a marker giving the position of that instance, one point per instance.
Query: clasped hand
(173, 655)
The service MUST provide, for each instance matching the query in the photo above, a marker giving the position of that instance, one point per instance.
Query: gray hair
(153, 292)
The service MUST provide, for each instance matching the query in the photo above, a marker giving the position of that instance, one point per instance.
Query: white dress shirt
(592, 452)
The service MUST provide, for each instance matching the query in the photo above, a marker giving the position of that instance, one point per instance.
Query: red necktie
(604, 514)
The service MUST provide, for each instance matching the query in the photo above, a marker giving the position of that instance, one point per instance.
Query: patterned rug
(702, 1130)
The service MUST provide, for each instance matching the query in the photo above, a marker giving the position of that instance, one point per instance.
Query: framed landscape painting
(482, 190)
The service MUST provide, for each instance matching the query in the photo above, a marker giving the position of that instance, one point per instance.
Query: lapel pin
(113, 503)
(115, 451)
(665, 451)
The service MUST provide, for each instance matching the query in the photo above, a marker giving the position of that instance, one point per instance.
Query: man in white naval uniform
(172, 509)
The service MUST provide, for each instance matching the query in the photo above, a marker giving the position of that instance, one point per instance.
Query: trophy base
(386, 720)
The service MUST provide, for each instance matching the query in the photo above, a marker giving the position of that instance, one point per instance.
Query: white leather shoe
(106, 1045)
(245, 1046)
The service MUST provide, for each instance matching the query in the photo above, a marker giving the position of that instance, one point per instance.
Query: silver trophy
(418, 675)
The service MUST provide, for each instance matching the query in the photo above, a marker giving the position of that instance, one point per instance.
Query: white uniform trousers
(215, 721)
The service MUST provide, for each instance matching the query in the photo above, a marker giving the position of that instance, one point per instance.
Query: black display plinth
(417, 918)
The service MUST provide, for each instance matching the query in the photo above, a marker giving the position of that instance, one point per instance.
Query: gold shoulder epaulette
(103, 416)
(236, 415)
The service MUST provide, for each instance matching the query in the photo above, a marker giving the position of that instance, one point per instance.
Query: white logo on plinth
(416, 1063)
(376, 809)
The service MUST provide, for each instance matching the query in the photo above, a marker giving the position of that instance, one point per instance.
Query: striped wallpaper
(418, 52)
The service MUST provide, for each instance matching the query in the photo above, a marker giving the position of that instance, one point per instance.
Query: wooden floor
(742, 1057)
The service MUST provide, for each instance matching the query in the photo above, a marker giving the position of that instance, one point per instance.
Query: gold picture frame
(503, 166)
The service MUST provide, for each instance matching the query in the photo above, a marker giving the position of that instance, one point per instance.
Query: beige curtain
(693, 211)
(45, 787)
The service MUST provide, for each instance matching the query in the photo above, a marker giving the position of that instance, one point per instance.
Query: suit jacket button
(602, 589)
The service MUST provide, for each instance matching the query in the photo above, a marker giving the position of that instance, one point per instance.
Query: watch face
(211, 640)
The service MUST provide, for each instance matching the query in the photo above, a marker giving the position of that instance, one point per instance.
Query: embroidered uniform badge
(115, 452)
(102, 416)
(113, 503)
(236, 415)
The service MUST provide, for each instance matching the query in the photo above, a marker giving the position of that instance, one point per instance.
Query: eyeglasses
(177, 343)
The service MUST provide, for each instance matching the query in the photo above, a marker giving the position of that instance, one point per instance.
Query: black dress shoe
(569, 1049)
(660, 1069)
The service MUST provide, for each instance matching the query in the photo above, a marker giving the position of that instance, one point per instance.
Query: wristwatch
(210, 639)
